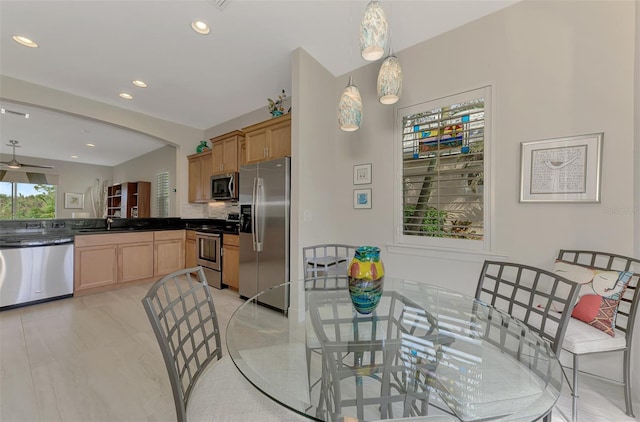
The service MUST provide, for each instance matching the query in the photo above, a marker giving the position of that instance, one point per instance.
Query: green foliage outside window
(39, 203)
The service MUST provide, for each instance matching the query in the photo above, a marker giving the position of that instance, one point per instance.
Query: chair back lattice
(537, 297)
(628, 306)
(181, 311)
(325, 266)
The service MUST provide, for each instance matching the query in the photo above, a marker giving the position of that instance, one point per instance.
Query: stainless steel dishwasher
(35, 268)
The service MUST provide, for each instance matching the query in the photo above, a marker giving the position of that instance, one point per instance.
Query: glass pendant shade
(390, 81)
(350, 108)
(374, 32)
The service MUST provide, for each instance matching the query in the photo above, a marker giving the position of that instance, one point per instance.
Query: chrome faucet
(109, 221)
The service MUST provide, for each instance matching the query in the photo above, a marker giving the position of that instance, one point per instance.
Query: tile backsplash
(209, 210)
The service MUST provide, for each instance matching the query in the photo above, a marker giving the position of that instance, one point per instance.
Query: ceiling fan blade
(36, 166)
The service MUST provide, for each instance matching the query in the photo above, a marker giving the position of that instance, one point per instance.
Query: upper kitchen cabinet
(268, 140)
(225, 152)
(200, 172)
(129, 200)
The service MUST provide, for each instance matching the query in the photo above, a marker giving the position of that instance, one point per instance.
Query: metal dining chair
(539, 298)
(205, 385)
(325, 268)
(582, 339)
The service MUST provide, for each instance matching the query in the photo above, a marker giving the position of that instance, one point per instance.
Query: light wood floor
(94, 358)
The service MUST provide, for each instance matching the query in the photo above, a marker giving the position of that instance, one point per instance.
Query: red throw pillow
(599, 295)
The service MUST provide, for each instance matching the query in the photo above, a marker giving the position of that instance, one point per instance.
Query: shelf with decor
(129, 200)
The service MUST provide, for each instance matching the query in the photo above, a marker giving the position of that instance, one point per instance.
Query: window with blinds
(162, 194)
(443, 168)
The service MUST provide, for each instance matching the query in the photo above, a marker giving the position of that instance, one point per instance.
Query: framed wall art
(74, 200)
(562, 169)
(362, 174)
(361, 198)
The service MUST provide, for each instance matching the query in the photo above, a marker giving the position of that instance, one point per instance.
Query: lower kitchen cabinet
(103, 260)
(135, 261)
(190, 249)
(231, 260)
(95, 266)
(168, 251)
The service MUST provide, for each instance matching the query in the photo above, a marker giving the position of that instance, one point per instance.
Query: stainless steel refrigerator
(265, 196)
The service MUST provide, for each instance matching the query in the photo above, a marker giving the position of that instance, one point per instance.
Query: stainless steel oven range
(209, 256)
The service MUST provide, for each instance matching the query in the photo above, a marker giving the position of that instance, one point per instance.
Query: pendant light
(373, 32)
(350, 108)
(390, 80)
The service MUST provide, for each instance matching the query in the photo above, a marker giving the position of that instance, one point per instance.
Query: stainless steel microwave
(224, 187)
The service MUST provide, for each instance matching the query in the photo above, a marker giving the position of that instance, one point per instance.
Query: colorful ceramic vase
(202, 147)
(366, 275)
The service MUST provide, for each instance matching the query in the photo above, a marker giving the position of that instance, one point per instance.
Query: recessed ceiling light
(200, 27)
(24, 41)
(139, 84)
(91, 145)
(126, 96)
(74, 156)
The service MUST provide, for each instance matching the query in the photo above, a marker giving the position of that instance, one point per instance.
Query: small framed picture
(74, 200)
(362, 198)
(362, 174)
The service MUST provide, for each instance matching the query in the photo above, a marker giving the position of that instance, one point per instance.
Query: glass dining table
(424, 350)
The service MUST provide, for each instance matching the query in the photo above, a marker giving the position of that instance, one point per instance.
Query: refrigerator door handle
(259, 215)
(253, 213)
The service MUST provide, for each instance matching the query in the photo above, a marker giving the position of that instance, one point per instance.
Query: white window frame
(424, 245)
(160, 198)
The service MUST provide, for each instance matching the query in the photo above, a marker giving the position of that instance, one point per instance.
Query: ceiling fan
(15, 164)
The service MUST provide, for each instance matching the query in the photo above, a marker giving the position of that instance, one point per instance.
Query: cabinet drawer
(169, 235)
(231, 239)
(112, 239)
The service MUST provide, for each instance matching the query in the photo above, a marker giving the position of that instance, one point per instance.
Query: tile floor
(94, 358)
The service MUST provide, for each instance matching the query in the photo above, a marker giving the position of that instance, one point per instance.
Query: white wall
(557, 69)
(72, 178)
(145, 168)
(183, 137)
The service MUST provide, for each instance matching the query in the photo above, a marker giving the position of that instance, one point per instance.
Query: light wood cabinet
(95, 266)
(168, 251)
(242, 153)
(200, 172)
(135, 261)
(129, 200)
(225, 152)
(269, 139)
(231, 260)
(190, 249)
(103, 260)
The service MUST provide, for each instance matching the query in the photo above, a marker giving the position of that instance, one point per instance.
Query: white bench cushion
(581, 338)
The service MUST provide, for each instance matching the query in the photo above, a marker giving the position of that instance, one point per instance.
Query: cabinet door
(195, 179)
(242, 153)
(169, 256)
(256, 145)
(190, 250)
(230, 155)
(279, 138)
(205, 177)
(95, 266)
(218, 157)
(135, 261)
(231, 266)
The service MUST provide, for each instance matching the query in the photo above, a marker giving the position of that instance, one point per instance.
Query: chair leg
(574, 401)
(626, 368)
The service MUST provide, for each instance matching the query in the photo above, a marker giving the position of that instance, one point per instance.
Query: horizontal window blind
(162, 194)
(443, 171)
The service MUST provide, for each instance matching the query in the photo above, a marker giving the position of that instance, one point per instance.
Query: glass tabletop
(423, 350)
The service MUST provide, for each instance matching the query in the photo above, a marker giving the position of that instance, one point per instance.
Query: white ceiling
(94, 48)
